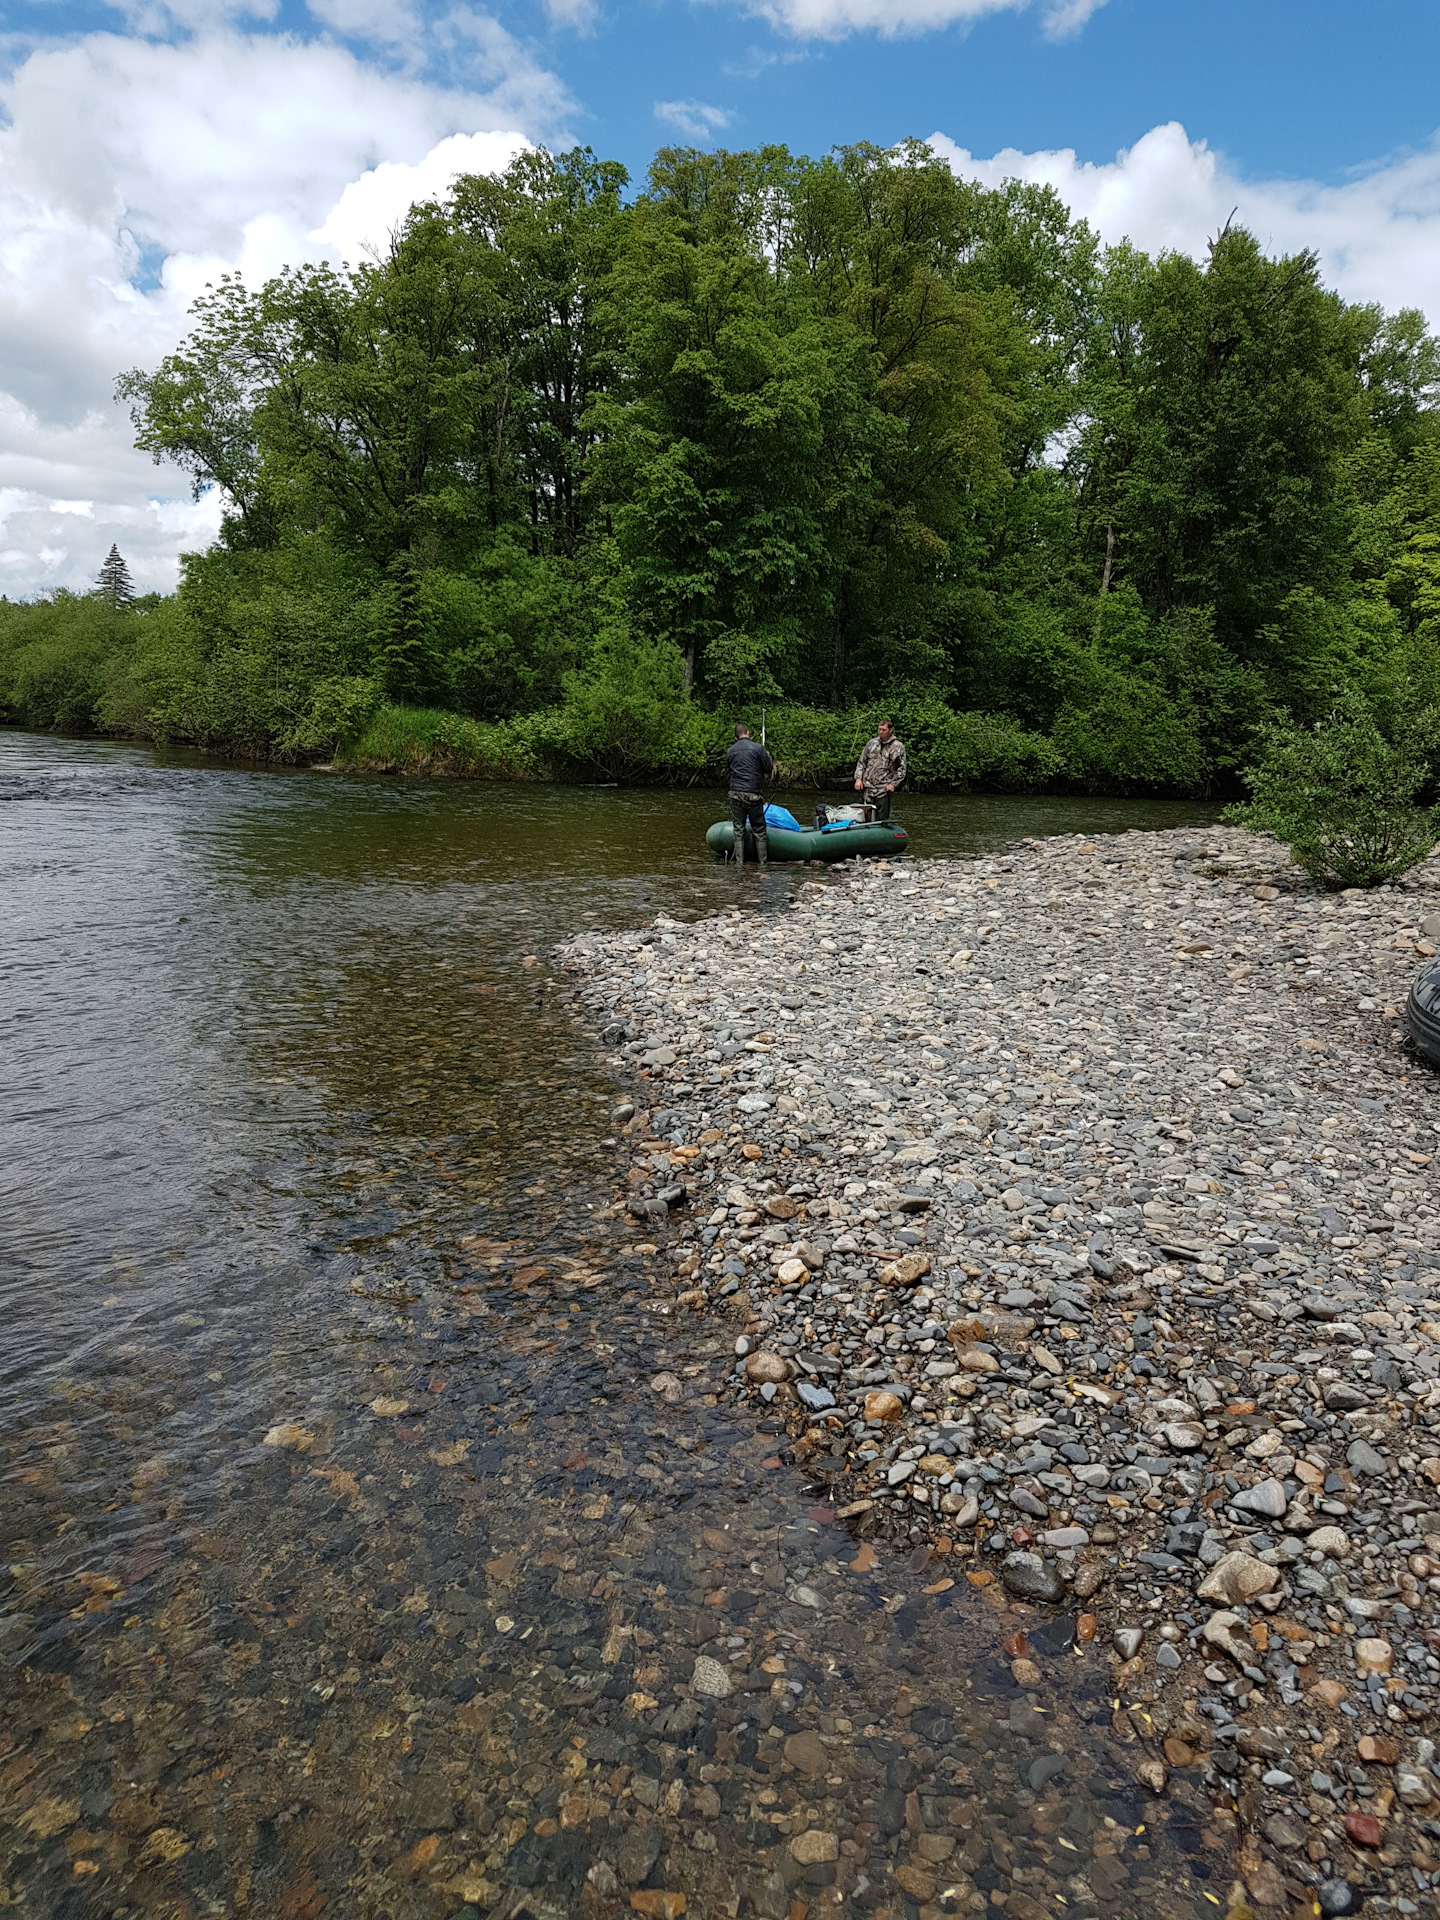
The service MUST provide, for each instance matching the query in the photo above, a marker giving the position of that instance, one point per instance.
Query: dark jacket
(750, 766)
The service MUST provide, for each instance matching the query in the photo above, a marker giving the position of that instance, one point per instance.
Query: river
(350, 1564)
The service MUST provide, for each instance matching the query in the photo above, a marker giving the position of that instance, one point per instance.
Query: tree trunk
(837, 651)
(1109, 558)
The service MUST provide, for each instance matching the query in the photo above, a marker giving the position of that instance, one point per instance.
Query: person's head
(742, 732)
(887, 732)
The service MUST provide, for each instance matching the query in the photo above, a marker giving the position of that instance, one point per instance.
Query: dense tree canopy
(818, 433)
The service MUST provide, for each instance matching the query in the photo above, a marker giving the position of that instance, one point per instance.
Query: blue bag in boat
(779, 817)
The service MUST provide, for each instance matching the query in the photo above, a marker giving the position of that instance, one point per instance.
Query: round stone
(761, 1367)
(1029, 1577)
(1330, 1542)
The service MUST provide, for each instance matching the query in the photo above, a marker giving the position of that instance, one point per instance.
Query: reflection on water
(352, 1564)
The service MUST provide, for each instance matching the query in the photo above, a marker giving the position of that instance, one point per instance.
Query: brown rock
(1025, 1673)
(815, 1846)
(1377, 1751)
(916, 1882)
(935, 1847)
(1363, 1829)
(1108, 1876)
(805, 1751)
(1266, 1885)
(1331, 1692)
(1178, 1753)
(781, 1207)
(661, 1906)
(906, 1271)
(976, 1360)
(1285, 1832)
(1225, 1630)
(883, 1406)
(1374, 1656)
(1238, 1578)
(766, 1367)
(1089, 1578)
(1152, 1775)
(1020, 1906)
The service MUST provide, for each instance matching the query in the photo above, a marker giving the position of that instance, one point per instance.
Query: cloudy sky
(146, 146)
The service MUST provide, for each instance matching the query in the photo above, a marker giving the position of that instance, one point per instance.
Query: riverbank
(1073, 1211)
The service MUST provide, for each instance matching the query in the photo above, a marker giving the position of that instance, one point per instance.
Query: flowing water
(349, 1564)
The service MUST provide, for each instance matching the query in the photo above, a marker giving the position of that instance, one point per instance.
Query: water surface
(348, 1561)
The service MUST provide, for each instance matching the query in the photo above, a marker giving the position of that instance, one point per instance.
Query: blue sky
(149, 146)
(1283, 88)
(1292, 88)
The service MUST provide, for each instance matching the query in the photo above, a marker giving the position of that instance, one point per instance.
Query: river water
(348, 1562)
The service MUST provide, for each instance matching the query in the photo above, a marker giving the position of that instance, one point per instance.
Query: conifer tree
(114, 580)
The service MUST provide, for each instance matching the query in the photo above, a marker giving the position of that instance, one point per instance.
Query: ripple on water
(352, 1563)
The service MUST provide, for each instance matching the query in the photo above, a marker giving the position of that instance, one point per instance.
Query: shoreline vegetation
(1071, 1236)
(572, 477)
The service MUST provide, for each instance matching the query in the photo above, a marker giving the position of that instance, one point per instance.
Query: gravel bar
(1075, 1209)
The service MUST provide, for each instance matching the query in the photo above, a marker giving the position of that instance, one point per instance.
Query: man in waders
(750, 767)
(880, 770)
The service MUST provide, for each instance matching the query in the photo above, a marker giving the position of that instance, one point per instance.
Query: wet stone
(1030, 1577)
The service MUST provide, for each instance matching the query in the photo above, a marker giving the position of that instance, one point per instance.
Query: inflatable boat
(842, 841)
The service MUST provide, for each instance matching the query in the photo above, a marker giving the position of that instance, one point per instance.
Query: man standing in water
(881, 769)
(750, 767)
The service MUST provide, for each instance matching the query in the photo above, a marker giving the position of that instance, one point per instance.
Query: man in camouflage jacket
(880, 770)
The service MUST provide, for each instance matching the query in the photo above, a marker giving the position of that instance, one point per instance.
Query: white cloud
(132, 173)
(692, 117)
(834, 19)
(161, 17)
(385, 23)
(1377, 234)
(579, 15)
(370, 208)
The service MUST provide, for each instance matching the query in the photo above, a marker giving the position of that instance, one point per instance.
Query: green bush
(340, 711)
(1130, 733)
(627, 716)
(814, 747)
(442, 745)
(54, 656)
(1343, 796)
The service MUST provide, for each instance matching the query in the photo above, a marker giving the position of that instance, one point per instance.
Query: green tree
(114, 581)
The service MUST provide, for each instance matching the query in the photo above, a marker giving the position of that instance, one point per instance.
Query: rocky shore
(1076, 1212)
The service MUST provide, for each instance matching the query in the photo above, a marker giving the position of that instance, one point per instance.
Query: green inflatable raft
(837, 843)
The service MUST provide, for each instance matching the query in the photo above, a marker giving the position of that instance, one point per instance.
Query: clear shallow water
(348, 1562)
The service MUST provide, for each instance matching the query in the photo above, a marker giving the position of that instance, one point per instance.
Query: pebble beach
(1071, 1215)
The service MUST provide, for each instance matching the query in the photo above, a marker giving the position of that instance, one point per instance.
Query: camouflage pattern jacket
(881, 765)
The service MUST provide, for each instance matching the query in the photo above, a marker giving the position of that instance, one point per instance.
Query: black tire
(1422, 1011)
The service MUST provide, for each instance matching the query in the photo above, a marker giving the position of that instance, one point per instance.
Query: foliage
(1342, 794)
(55, 656)
(443, 745)
(626, 715)
(597, 471)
